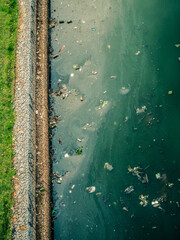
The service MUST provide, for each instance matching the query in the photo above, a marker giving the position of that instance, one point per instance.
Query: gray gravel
(24, 161)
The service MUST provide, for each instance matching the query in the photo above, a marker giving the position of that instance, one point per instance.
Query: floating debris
(94, 72)
(79, 150)
(138, 172)
(99, 193)
(124, 90)
(158, 176)
(143, 199)
(137, 53)
(91, 189)
(53, 121)
(155, 203)
(129, 190)
(170, 185)
(113, 77)
(104, 103)
(66, 155)
(177, 45)
(72, 75)
(170, 92)
(69, 21)
(75, 66)
(141, 110)
(125, 209)
(109, 46)
(56, 55)
(108, 166)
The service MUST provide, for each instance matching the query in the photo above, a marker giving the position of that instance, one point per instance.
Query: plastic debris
(109, 46)
(69, 21)
(79, 150)
(170, 92)
(104, 103)
(91, 189)
(72, 75)
(124, 90)
(94, 72)
(56, 55)
(138, 172)
(108, 166)
(141, 110)
(129, 190)
(143, 199)
(113, 77)
(99, 193)
(158, 176)
(155, 203)
(93, 29)
(81, 98)
(170, 185)
(177, 45)
(73, 186)
(137, 53)
(75, 66)
(125, 209)
(66, 155)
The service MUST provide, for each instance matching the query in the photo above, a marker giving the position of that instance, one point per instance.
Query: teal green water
(131, 46)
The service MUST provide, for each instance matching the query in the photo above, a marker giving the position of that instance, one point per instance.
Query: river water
(121, 105)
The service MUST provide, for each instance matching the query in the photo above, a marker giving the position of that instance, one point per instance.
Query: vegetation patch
(8, 31)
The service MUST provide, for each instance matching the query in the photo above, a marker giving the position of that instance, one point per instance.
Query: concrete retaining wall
(24, 130)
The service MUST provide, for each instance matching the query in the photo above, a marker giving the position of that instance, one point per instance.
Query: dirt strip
(43, 200)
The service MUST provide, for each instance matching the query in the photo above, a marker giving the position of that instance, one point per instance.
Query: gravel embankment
(25, 136)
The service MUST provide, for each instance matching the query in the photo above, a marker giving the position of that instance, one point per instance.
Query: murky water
(127, 65)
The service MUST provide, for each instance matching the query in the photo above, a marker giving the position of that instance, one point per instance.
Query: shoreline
(31, 161)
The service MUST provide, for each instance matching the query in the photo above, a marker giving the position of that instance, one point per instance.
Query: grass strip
(8, 35)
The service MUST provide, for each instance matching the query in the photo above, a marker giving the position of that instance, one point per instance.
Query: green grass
(8, 33)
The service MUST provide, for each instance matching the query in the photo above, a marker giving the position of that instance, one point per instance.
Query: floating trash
(91, 189)
(141, 110)
(125, 209)
(124, 90)
(170, 185)
(170, 92)
(75, 66)
(155, 203)
(158, 176)
(129, 190)
(72, 75)
(143, 199)
(113, 77)
(59, 180)
(109, 46)
(79, 150)
(177, 45)
(137, 53)
(94, 72)
(66, 155)
(138, 172)
(104, 103)
(108, 166)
